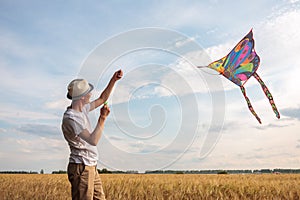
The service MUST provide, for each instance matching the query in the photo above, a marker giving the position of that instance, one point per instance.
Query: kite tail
(249, 104)
(268, 94)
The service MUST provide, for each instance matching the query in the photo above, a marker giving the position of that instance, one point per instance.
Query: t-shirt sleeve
(72, 126)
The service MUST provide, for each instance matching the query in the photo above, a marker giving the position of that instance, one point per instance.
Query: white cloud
(248, 149)
(2, 130)
(59, 104)
(16, 115)
(15, 46)
(279, 44)
(20, 150)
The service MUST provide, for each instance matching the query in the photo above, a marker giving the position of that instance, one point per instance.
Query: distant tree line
(106, 171)
(220, 171)
(246, 171)
(199, 172)
(18, 172)
(102, 171)
(59, 172)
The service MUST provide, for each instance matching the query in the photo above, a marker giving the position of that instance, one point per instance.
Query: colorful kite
(239, 65)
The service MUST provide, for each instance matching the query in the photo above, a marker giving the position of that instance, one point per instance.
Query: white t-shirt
(73, 123)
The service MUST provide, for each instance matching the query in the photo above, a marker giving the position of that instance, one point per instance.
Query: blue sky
(166, 114)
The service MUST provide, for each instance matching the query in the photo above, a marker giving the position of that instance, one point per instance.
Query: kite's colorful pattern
(239, 65)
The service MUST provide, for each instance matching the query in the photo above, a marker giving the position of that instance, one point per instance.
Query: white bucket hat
(78, 88)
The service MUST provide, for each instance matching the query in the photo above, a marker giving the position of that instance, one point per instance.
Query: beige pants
(85, 182)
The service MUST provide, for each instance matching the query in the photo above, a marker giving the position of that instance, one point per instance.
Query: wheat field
(157, 187)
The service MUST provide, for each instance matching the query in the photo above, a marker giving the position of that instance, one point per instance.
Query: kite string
(201, 67)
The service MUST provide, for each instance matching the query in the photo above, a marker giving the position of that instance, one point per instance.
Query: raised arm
(106, 92)
(94, 137)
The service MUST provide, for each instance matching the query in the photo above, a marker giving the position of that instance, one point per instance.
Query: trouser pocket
(74, 171)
